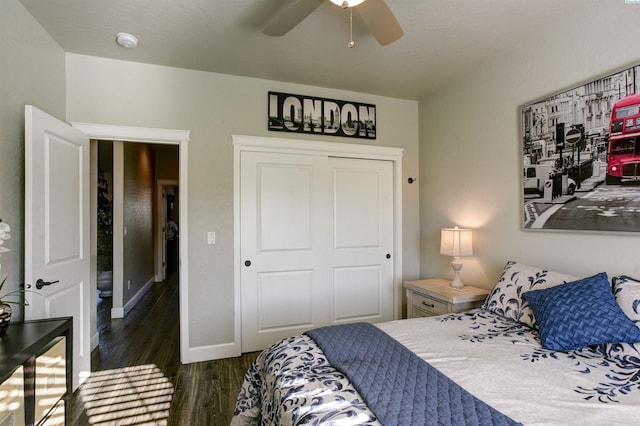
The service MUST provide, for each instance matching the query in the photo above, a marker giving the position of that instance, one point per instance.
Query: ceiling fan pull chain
(351, 42)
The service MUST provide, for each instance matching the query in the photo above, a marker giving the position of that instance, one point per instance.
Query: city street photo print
(581, 157)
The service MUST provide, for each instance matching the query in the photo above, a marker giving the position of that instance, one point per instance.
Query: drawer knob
(431, 305)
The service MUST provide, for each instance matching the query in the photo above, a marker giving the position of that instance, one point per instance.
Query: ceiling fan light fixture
(127, 40)
(375, 14)
(345, 4)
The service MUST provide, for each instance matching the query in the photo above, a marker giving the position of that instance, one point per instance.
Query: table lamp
(456, 242)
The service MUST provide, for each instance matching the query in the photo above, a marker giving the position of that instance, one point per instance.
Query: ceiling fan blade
(380, 20)
(290, 17)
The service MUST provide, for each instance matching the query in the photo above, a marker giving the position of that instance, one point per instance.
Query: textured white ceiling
(443, 38)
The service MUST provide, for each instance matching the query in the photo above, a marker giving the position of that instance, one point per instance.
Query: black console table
(23, 343)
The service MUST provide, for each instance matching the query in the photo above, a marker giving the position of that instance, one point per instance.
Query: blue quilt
(399, 387)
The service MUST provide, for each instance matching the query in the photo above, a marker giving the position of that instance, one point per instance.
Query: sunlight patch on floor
(127, 396)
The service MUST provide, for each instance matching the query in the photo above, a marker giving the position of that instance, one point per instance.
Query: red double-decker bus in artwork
(623, 155)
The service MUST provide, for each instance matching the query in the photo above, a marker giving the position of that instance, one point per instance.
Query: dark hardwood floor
(137, 377)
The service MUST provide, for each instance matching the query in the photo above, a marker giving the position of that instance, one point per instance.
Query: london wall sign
(321, 116)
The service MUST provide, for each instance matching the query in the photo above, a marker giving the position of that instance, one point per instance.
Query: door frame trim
(171, 137)
(310, 147)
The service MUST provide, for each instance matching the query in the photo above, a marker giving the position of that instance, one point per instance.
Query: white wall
(213, 107)
(138, 250)
(33, 72)
(470, 153)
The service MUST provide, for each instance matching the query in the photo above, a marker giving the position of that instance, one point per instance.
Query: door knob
(247, 263)
(40, 283)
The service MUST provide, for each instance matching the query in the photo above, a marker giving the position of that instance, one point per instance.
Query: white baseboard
(136, 298)
(208, 353)
(121, 312)
(95, 340)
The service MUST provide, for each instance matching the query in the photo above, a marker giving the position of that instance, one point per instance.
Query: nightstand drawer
(430, 305)
(421, 313)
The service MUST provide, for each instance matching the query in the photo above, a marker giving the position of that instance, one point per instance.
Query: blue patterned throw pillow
(580, 313)
(506, 297)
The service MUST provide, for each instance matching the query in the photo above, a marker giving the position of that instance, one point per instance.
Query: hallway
(141, 380)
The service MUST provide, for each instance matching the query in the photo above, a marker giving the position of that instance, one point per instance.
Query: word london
(304, 114)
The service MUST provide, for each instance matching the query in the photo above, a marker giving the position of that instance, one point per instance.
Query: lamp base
(456, 265)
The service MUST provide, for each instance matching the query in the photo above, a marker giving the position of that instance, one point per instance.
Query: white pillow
(627, 292)
(506, 297)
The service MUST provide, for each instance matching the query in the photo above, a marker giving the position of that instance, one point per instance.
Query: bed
(545, 348)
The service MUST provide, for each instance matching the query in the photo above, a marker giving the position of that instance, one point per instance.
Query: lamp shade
(456, 242)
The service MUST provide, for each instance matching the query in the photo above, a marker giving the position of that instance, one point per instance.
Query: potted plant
(105, 237)
(15, 297)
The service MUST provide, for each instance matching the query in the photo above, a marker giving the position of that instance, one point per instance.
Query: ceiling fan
(375, 13)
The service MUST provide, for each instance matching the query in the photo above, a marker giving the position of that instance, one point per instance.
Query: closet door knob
(247, 263)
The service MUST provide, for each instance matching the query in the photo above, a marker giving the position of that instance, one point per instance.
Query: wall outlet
(129, 285)
(211, 237)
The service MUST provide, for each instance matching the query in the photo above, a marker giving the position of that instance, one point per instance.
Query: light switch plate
(211, 237)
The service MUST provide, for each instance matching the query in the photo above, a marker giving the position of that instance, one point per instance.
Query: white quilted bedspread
(502, 363)
(498, 360)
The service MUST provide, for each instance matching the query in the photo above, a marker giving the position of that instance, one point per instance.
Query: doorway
(134, 206)
(167, 228)
(172, 235)
(179, 138)
(76, 161)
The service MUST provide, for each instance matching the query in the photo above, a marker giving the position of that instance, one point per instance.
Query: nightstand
(434, 296)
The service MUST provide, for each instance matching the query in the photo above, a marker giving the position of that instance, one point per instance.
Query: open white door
(57, 228)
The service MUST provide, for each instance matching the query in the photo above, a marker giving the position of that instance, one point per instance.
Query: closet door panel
(356, 207)
(282, 235)
(362, 240)
(285, 299)
(357, 294)
(284, 204)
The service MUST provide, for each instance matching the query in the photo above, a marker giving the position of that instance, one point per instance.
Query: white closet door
(360, 256)
(283, 233)
(316, 243)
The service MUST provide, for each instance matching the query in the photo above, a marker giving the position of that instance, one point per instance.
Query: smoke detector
(127, 40)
